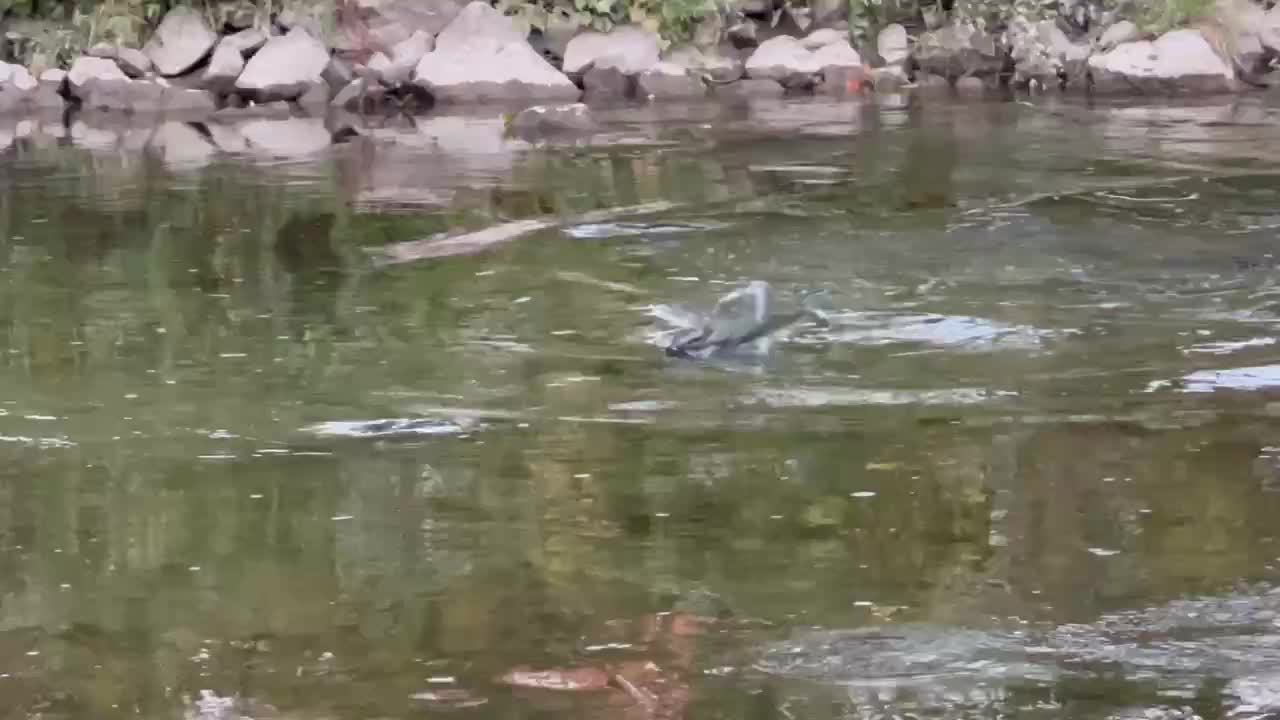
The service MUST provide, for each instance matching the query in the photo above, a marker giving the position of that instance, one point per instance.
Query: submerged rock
(181, 41)
(1178, 62)
(669, 81)
(481, 56)
(552, 119)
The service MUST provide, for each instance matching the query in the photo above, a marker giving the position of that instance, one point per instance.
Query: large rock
(1178, 62)
(133, 62)
(893, 45)
(784, 59)
(247, 41)
(481, 56)
(630, 48)
(17, 77)
(224, 67)
(838, 55)
(668, 81)
(823, 37)
(86, 68)
(285, 68)
(181, 41)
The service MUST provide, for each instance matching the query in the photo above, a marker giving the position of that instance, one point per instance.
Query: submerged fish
(740, 322)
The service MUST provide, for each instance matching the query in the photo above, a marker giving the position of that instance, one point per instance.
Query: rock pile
(420, 52)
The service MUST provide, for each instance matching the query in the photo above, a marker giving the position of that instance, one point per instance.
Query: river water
(378, 429)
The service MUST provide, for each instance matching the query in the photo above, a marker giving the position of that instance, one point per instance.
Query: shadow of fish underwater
(740, 324)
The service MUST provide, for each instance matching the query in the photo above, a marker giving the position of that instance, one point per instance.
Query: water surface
(299, 429)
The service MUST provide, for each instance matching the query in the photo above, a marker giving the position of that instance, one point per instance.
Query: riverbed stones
(182, 40)
(630, 49)
(285, 68)
(1178, 62)
(481, 56)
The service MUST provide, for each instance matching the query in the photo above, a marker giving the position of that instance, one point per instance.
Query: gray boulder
(285, 68)
(133, 62)
(629, 48)
(784, 59)
(893, 45)
(481, 56)
(224, 68)
(181, 41)
(338, 74)
(823, 37)
(247, 41)
(405, 56)
(86, 68)
(1179, 62)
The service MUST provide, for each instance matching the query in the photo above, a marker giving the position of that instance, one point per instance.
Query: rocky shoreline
(412, 56)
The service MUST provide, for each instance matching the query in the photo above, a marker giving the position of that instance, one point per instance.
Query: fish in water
(739, 323)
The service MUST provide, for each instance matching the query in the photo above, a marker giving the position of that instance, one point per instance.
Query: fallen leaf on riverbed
(573, 679)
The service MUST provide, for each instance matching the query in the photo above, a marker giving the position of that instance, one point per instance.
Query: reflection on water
(292, 428)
